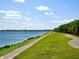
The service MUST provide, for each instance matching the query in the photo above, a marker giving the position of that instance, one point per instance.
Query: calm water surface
(11, 37)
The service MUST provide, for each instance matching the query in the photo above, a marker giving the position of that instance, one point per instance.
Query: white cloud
(24, 25)
(46, 13)
(67, 20)
(42, 8)
(38, 26)
(20, 1)
(9, 11)
(2, 11)
(11, 14)
(56, 21)
(61, 21)
(26, 18)
(49, 13)
(15, 20)
(14, 16)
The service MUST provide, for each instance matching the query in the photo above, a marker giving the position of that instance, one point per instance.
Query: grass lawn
(6, 50)
(54, 46)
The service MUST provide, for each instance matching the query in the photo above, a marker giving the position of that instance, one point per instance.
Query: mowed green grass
(4, 50)
(54, 46)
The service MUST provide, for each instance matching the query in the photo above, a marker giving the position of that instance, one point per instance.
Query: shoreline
(19, 50)
(17, 45)
(16, 42)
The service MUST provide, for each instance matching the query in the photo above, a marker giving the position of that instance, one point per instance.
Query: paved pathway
(74, 42)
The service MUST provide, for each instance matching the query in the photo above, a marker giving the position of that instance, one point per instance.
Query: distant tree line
(71, 28)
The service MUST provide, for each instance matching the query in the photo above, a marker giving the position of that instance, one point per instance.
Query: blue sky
(37, 14)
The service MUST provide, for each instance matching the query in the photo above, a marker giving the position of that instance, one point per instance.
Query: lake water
(11, 37)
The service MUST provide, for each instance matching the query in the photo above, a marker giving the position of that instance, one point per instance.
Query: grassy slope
(54, 46)
(4, 51)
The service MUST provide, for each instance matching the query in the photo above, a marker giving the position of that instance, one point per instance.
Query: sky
(37, 14)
